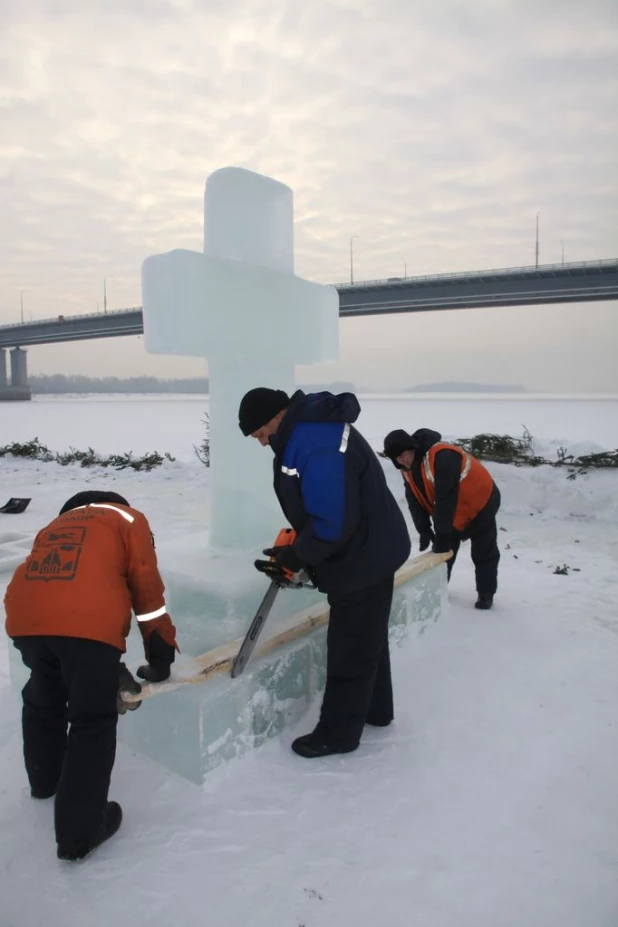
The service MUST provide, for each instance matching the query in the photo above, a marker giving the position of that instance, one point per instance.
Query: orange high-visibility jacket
(475, 485)
(87, 570)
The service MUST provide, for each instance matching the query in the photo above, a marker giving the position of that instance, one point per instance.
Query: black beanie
(258, 406)
(396, 442)
(89, 497)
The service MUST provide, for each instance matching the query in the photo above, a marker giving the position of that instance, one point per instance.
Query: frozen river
(117, 423)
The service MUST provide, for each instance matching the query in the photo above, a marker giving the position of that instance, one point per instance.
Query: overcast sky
(432, 131)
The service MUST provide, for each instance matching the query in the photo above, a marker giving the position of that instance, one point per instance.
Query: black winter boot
(112, 818)
(42, 793)
(314, 745)
(484, 601)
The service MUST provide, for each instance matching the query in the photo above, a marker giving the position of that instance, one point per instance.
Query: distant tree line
(60, 383)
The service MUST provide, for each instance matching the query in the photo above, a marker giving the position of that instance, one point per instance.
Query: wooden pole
(218, 661)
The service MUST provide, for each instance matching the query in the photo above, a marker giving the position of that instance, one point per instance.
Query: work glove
(126, 684)
(285, 558)
(425, 539)
(284, 566)
(442, 544)
(160, 657)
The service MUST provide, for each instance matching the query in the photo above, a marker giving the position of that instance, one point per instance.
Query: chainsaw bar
(246, 648)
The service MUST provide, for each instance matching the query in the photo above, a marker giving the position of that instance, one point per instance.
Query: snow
(491, 801)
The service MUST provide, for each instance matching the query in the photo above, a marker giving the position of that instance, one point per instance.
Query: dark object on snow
(15, 506)
(112, 819)
(484, 601)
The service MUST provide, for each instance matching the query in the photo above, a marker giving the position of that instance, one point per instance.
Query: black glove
(285, 558)
(283, 566)
(442, 544)
(126, 684)
(160, 657)
(425, 539)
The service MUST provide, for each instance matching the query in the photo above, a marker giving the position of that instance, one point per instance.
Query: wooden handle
(220, 659)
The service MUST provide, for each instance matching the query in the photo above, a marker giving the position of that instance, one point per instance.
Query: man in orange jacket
(68, 611)
(445, 483)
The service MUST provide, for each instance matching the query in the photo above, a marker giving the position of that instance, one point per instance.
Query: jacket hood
(326, 407)
(425, 438)
(315, 407)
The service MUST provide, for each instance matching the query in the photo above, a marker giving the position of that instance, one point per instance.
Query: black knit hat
(89, 497)
(396, 442)
(258, 406)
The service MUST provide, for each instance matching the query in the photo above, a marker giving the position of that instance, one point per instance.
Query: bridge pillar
(19, 368)
(18, 387)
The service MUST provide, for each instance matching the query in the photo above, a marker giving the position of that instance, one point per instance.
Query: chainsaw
(281, 578)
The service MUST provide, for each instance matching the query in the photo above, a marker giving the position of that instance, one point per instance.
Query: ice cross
(240, 305)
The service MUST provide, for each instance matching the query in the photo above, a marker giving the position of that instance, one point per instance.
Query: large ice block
(195, 728)
(241, 306)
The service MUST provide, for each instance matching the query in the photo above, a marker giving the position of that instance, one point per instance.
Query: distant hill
(339, 386)
(456, 386)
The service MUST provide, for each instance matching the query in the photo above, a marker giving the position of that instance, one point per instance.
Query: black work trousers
(73, 682)
(358, 669)
(483, 534)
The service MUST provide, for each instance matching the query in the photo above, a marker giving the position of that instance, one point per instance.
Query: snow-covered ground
(492, 801)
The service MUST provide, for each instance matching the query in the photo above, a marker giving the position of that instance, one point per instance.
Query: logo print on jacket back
(56, 554)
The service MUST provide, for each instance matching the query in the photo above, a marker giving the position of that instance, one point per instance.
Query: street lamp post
(21, 303)
(536, 250)
(405, 269)
(352, 259)
(105, 279)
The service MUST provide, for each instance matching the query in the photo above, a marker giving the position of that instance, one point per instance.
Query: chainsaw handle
(285, 578)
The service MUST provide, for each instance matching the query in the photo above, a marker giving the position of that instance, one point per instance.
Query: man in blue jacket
(352, 537)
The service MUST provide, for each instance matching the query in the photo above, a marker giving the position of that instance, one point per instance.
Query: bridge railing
(72, 318)
(387, 281)
(472, 274)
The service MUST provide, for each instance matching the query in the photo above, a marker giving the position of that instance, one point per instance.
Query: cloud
(432, 132)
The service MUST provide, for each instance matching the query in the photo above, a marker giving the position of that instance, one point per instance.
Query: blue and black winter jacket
(332, 490)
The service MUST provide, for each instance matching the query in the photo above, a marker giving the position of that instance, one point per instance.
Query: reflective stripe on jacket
(87, 570)
(475, 485)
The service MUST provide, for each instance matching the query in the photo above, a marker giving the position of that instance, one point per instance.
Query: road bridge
(587, 281)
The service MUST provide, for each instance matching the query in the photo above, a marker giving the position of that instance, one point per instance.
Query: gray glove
(126, 684)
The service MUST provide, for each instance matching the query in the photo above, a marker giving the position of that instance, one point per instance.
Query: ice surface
(194, 729)
(240, 305)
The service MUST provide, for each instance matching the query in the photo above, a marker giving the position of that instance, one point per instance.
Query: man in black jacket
(351, 536)
(447, 484)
